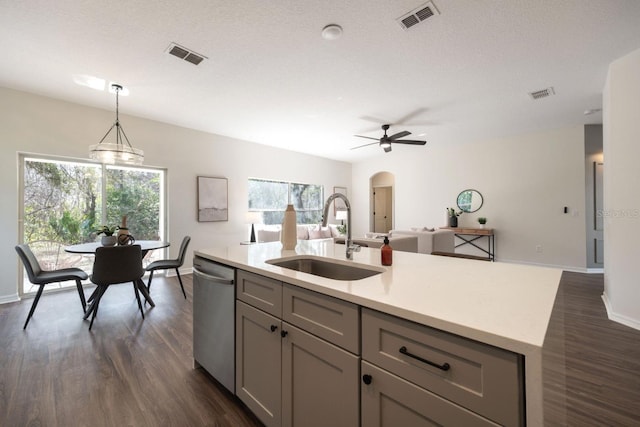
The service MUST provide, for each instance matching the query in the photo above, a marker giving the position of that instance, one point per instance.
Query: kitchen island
(507, 306)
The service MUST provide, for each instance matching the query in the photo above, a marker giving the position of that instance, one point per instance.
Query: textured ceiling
(461, 76)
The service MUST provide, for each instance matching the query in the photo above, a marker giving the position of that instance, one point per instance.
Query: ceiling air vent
(418, 15)
(184, 53)
(539, 94)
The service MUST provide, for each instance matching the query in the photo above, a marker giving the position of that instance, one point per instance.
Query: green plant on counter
(482, 220)
(342, 229)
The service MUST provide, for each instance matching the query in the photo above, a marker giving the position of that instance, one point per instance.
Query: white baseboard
(9, 298)
(560, 267)
(624, 320)
(183, 271)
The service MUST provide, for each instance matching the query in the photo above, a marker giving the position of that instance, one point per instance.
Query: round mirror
(469, 200)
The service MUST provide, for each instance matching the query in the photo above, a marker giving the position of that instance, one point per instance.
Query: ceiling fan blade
(387, 149)
(365, 145)
(374, 120)
(399, 135)
(409, 141)
(368, 137)
(411, 115)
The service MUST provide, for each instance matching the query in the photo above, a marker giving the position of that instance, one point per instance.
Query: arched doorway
(381, 202)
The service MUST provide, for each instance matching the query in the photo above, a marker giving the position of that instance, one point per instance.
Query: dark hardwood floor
(591, 365)
(129, 371)
(124, 372)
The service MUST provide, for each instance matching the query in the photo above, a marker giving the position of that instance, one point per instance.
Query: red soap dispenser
(386, 252)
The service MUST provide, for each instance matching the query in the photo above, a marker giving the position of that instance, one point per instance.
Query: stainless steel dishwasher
(214, 320)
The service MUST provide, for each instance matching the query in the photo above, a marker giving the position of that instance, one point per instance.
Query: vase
(289, 233)
(124, 238)
(481, 225)
(108, 240)
(453, 221)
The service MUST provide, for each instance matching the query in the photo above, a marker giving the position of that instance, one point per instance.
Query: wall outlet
(539, 249)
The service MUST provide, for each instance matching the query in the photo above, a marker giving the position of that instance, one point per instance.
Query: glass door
(64, 202)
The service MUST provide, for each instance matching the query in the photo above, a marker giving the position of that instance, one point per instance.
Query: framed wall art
(212, 199)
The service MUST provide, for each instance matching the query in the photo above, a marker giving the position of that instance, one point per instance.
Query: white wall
(525, 180)
(621, 128)
(35, 124)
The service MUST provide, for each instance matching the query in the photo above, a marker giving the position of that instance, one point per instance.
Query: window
(272, 197)
(64, 202)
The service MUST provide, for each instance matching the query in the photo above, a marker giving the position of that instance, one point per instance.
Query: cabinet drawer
(260, 292)
(326, 317)
(485, 379)
(390, 401)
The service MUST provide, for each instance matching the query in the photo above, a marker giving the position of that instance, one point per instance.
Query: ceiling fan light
(332, 32)
(385, 144)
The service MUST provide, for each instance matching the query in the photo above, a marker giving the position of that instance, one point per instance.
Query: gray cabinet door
(390, 401)
(258, 363)
(320, 382)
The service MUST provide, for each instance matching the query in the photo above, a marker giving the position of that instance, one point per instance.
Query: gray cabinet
(259, 291)
(466, 374)
(258, 363)
(298, 363)
(296, 371)
(390, 401)
(320, 382)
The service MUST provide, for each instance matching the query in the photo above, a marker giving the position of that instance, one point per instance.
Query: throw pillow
(323, 233)
(302, 232)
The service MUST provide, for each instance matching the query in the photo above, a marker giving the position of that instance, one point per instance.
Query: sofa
(398, 243)
(428, 239)
(271, 233)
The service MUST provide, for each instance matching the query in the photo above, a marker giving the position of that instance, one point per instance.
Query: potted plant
(482, 221)
(453, 217)
(108, 239)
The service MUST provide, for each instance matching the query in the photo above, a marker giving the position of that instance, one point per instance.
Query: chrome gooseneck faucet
(351, 248)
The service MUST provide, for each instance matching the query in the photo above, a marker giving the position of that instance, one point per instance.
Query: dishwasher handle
(216, 279)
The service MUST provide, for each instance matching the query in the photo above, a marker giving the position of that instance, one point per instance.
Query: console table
(470, 235)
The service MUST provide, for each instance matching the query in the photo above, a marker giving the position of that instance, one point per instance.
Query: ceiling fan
(386, 141)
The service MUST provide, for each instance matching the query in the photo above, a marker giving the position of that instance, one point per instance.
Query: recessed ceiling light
(332, 32)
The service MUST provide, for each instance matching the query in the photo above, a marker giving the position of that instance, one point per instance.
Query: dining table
(90, 247)
(145, 246)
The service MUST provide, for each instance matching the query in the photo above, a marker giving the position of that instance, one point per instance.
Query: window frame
(290, 185)
(24, 156)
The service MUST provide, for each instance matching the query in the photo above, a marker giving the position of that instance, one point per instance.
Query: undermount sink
(331, 269)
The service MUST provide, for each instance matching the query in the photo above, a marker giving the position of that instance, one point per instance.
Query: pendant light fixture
(117, 152)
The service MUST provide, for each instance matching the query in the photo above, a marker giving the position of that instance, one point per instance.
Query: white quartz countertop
(505, 305)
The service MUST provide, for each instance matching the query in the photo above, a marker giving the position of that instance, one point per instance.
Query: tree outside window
(272, 197)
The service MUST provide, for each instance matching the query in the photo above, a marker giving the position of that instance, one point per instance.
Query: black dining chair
(113, 265)
(41, 277)
(167, 264)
